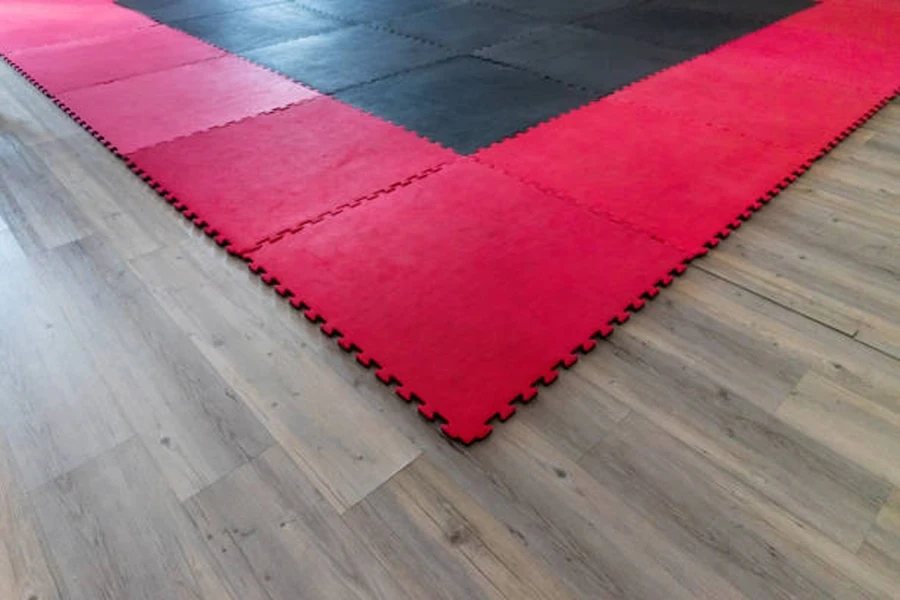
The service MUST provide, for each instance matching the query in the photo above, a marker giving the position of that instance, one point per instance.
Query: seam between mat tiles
(301, 83)
(693, 58)
(333, 212)
(524, 130)
(741, 217)
(164, 193)
(90, 38)
(385, 27)
(569, 360)
(184, 208)
(104, 38)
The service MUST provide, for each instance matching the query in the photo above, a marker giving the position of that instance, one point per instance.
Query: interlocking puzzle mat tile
(789, 112)
(148, 109)
(675, 179)
(796, 52)
(70, 66)
(465, 103)
(675, 27)
(256, 27)
(601, 63)
(466, 286)
(464, 27)
(32, 24)
(346, 57)
(264, 175)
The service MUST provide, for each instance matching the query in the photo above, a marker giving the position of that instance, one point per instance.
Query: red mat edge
(382, 373)
(366, 360)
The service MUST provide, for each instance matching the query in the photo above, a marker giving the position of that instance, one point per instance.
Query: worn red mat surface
(464, 281)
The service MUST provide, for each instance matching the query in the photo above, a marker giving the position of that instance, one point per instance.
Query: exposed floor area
(163, 431)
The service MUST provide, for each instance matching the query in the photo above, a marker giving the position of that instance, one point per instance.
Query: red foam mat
(157, 107)
(32, 24)
(791, 51)
(285, 168)
(801, 115)
(678, 180)
(64, 67)
(465, 281)
(466, 286)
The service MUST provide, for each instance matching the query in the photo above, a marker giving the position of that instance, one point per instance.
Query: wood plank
(850, 279)
(24, 573)
(487, 484)
(573, 414)
(628, 555)
(796, 343)
(882, 546)
(832, 253)
(10, 250)
(724, 523)
(866, 431)
(338, 438)
(277, 537)
(134, 223)
(665, 375)
(195, 425)
(54, 405)
(30, 116)
(115, 530)
(439, 543)
(35, 206)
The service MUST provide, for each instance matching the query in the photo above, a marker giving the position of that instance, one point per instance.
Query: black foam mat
(464, 27)
(362, 11)
(346, 57)
(690, 30)
(465, 103)
(597, 62)
(251, 28)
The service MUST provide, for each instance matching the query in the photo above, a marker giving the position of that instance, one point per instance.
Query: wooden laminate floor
(171, 429)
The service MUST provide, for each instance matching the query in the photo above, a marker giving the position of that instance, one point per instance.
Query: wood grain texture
(196, 426)
(882, 546)
(439, 543)
(36, 207)
(724, 522)
(276, 536)
(170, 428)
(55, 408)
(344, 443)
(24, 573)
(115, 530)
